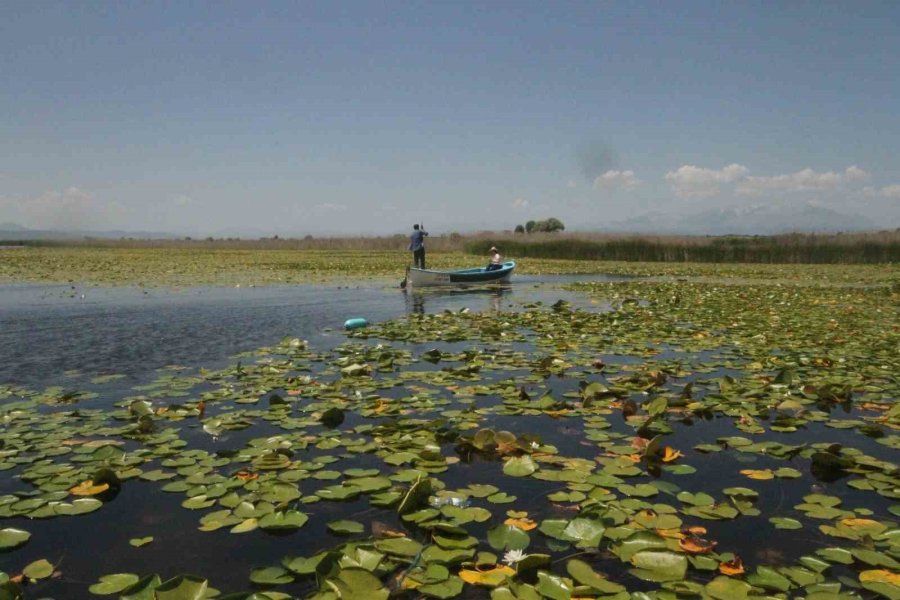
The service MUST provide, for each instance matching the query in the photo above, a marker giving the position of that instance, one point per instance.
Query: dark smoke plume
(595, 158)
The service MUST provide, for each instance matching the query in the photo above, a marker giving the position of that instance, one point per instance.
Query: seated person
(496, 261)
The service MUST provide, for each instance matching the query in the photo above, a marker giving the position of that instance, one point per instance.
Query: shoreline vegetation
(192, 266)
(790, 248)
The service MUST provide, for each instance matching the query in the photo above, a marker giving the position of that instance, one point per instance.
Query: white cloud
(182, 200)
(806, 180)
(888, 191)
(854, 173)
(613, 179)
(891, 191)
(520, 203)
(571, 184)
(690, 181)
(70, 209)
(331, 206)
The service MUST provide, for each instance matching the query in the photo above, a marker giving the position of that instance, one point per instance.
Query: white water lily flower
(513, 556)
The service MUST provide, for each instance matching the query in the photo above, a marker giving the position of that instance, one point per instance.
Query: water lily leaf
(449, 588)
(741, 492)
(39, 569)
(88, 488)
(346, 527)
(585, 575)
(271, 576)
(691, 544)
(144, 589)
(787, 473)
(245, 526)
(659, 565)
(641, 490)
(82, 506)
(307, 566)
(416, 497)
(532, 561)
(732, 567)
(283, 520)
(358, 584)
(507, 537)
(726, 588)
(880, 581)
(271, 461)
(836, 555)
(587, 532)
(785, 523)
(488, 577)
(11, 538)
(638, 542)
(769, 578)
(447, 556)
(520, 466)
(480, 490)
(198, 502)
(875, 559)
(522, 523)
(698, 499)
(404, 546)
(501, 498)
(182, 587)
(112, 584)
(372, 484)
(553, 586)
(138, 542)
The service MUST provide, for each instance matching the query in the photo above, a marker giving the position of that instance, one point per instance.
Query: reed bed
(795, 248)
(868, 248)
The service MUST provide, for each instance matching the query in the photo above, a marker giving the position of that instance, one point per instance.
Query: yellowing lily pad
(87, 488)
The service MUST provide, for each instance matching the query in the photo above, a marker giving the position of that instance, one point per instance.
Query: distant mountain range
(748, 220)
(12, 232)
(752, 220)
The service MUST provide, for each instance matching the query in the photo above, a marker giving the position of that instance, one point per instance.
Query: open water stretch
(628, 441)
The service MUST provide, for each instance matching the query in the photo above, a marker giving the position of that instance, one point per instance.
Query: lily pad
(112, 584)
(11, 538)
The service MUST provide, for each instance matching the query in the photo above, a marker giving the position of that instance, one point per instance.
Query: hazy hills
(751, 220)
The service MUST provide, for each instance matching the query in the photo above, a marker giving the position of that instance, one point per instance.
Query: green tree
(520, 229)
(553, 224)
(529, 226)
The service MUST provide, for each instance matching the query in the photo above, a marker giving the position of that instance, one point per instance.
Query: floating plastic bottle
(355, 323)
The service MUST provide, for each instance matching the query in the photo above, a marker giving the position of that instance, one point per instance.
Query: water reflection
(417, 300)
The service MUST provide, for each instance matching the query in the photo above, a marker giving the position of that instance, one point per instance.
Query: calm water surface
(47, 330)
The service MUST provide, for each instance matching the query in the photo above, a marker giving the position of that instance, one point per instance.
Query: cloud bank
(690, 181)
(69, 209)
(612, 180)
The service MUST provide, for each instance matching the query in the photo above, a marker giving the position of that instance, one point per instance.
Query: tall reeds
(851, 248)
(857, 248)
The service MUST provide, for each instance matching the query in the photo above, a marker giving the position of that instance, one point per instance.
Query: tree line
(546, 226)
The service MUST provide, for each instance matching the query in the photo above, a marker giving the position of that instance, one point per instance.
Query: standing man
(417, 246)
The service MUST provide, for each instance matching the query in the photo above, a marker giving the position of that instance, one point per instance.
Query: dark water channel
(46, 331)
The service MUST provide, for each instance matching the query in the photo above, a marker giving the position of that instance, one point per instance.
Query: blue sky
(363, 117)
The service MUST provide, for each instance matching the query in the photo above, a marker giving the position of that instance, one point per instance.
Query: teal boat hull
(424, 277)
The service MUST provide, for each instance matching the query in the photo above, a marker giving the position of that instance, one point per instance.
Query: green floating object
(355, 323)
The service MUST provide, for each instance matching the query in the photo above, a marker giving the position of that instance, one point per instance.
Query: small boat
(424, 277)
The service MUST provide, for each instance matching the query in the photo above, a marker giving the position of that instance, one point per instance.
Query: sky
(254, 119)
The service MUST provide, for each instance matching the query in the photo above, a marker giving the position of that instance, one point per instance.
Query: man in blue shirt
(417, 246)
